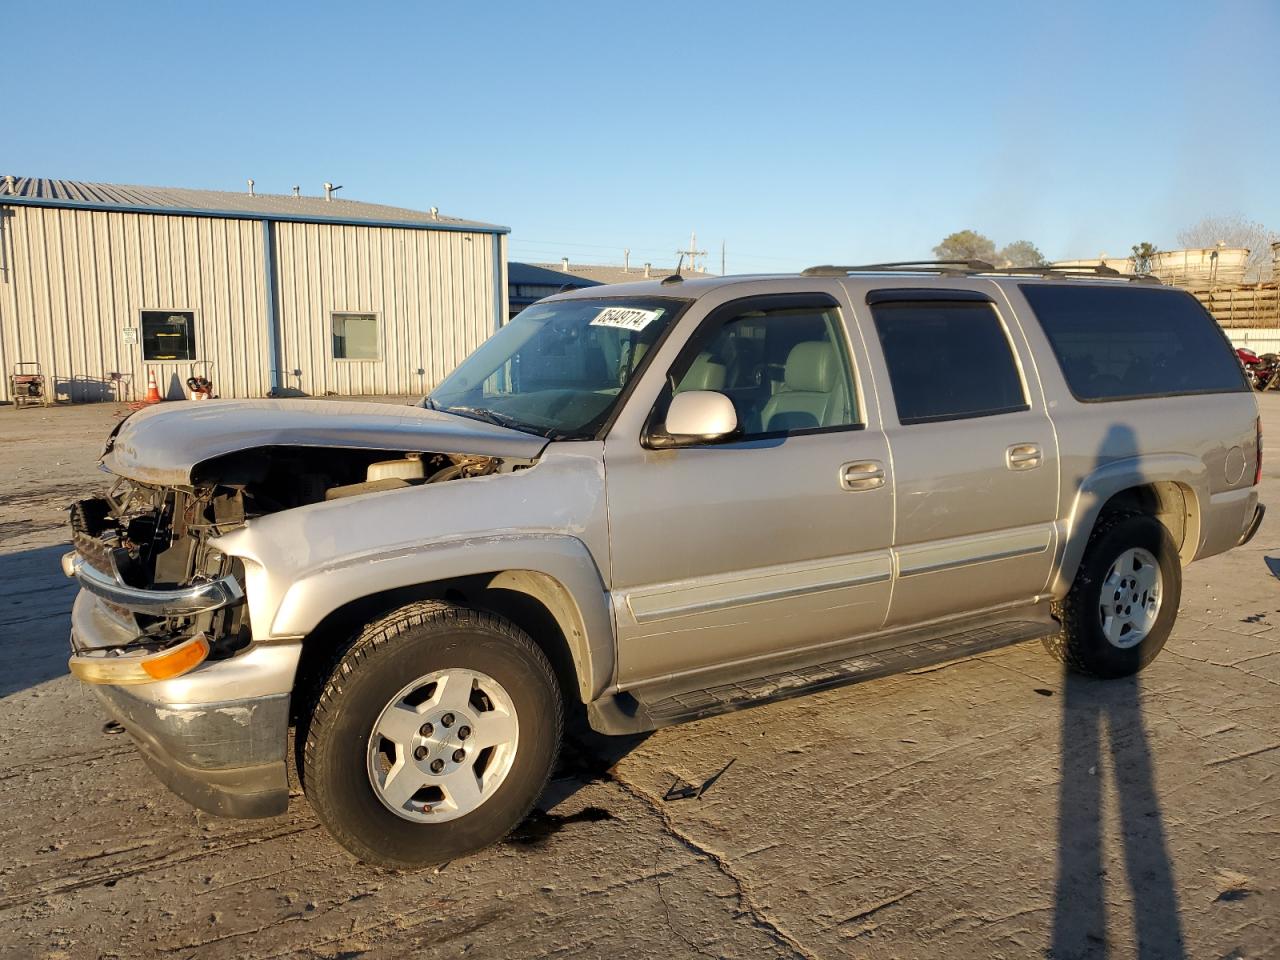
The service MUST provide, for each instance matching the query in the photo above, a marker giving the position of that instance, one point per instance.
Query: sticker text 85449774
(625, 318)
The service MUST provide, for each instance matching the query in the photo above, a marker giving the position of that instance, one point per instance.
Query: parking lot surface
(990, 807)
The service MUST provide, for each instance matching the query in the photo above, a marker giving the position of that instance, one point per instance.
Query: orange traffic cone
(153, 391)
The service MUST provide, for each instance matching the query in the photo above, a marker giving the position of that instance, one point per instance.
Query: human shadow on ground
(1103, 727)
(1103, 730)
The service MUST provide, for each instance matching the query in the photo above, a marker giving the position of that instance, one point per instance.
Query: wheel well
(492, 592)
(1173, 504)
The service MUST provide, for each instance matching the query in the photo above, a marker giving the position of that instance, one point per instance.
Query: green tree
(1020, 253)
(966, 245)
(1142, 254)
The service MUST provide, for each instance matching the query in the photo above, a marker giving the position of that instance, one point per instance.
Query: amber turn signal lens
(165, 665)
(175, 662)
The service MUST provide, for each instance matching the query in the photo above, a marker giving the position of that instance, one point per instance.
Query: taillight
(1257, 470)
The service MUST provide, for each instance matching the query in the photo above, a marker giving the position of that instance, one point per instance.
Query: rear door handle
(1023, 456)
(862, 475)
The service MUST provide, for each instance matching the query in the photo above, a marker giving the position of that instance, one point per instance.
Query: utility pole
(693, 253)
(722, 270)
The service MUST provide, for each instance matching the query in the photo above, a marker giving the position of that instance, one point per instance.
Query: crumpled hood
(163, 444)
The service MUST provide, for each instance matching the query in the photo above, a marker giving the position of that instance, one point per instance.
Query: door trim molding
(940, 555)
(686, 598)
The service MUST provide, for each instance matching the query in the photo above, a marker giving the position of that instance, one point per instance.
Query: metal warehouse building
(265, 294)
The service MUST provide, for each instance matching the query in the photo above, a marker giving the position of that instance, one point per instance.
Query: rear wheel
(432, 735)
(1123, 603)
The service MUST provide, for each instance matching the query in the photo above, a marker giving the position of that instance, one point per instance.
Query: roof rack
(1087, 270)
(903, 266)
(969, 268)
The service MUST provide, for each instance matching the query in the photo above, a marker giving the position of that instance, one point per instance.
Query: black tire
(1081, 644)
(364, 677)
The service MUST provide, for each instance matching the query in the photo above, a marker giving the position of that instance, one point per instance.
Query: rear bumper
(1258, 513)
(216, 736)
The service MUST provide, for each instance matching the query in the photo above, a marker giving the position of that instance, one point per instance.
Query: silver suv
(651, 503)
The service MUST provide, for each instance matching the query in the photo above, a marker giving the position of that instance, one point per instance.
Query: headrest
(704, 374)
(811, 367)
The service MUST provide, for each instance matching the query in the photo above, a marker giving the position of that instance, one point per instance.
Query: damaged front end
(147, 552)
(162, 630)
(144, 553)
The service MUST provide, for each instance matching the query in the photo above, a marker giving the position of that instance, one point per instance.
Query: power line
(654, 252)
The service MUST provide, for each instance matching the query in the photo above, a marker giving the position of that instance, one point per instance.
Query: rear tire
(1109, 626)
(459, 703)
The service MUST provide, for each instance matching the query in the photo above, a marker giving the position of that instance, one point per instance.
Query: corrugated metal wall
(432, 291)
(71, 281)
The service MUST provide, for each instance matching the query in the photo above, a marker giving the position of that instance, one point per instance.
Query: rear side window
(948, 360)
(1122, 343)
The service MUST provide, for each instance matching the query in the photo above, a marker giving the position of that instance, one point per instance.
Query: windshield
(557, 369)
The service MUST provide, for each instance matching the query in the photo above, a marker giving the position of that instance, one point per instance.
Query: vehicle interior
(784, 370)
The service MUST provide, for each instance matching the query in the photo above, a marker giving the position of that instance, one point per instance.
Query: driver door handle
(1023, 456)
(862, 475)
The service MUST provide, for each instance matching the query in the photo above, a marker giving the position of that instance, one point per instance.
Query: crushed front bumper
(216, 736)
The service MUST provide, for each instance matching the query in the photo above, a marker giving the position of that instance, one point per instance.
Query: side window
(784, 367)
(947, 359)
(1124, 342)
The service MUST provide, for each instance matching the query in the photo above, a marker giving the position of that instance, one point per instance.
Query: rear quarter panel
(1206, 443)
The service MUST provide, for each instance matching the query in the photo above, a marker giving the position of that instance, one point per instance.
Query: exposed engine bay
(158, 537)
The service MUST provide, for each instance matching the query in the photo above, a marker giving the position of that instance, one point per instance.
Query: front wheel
(432, 735)
(1124, 600)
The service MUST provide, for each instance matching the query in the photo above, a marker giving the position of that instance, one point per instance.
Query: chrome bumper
(216, 736)
(198, 598)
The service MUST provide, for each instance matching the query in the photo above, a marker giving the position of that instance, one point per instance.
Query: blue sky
(797, 133)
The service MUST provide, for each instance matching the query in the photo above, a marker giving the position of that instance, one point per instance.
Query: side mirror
(699, 415)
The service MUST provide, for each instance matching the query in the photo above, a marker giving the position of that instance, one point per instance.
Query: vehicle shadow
(1104, 741)
(586, 757)
(35, 618)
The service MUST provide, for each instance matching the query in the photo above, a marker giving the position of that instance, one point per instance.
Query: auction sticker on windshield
(626, 318)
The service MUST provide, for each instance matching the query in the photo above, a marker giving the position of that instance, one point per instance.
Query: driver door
(774, 541)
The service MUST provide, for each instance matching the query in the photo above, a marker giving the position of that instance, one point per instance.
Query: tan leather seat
(703, 374)
(812, 393)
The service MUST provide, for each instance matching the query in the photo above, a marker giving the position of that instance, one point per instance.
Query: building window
(168, 335)
(355, 336)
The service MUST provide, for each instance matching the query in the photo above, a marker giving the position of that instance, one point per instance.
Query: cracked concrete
(990, 807)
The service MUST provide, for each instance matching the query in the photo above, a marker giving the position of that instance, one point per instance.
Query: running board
(627, 714)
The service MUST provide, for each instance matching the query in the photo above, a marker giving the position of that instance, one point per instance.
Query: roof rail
(969, 268)
(903, 266)
(1088, 270)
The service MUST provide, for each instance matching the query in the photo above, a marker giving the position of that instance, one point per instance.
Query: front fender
(1112, 478)
(556, 569)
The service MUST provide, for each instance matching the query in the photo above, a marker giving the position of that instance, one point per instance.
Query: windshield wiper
(491, 416)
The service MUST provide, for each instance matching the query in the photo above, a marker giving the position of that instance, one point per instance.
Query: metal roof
(538, 275)
(614, 274)
(34, 191)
